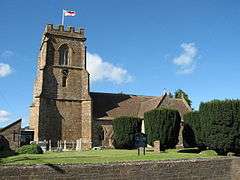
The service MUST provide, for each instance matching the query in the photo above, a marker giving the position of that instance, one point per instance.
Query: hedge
(218, 125)
(163, 125)
(30, 149)
(220, 122)
(124, 129)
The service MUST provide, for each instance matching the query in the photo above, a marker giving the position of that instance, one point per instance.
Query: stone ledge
(214, 168)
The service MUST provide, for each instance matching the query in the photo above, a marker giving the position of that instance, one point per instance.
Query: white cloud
(102, 70)
(186, 61)
(5, 69)
(6, 54)
(4, 115)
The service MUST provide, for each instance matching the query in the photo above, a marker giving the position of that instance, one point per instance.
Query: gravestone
(156, 146)
(43, 145)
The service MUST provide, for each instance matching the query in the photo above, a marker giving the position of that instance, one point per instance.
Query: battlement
(65, 31)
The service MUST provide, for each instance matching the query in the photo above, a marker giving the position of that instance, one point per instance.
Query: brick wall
(207, 169)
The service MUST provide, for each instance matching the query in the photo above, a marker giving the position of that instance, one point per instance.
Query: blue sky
(138, 47)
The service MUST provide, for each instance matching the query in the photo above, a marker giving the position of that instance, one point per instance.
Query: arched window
(63, 55)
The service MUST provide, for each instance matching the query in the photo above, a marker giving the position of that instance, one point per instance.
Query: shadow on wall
(5, 150)
(50, 120)
(104, 102)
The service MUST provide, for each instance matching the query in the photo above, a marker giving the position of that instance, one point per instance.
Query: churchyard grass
(97, 156)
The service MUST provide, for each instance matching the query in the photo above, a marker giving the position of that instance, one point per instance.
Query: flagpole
(63, 17)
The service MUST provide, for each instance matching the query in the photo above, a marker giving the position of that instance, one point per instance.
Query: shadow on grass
(189, 150)
(7, 153)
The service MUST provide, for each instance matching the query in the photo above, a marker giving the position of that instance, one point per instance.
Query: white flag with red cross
(69, 13)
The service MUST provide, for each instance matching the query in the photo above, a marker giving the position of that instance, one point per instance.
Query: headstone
(43, 145)
(50, 145)
(156, 146)
(33, 142)
(79, 145)
(73, 144)
(60, 144)
(64, 145)
(231, 154)
(97, 148)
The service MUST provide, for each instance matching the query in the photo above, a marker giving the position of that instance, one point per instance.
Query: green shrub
(163, 125)
(209, 153)
(30, 149)
(124, 129)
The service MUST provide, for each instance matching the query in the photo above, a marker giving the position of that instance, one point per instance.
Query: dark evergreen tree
(124, 129)
(218, 126)
(180, 93)
(163, 125)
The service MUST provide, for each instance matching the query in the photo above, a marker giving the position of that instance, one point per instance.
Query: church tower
(62, 106)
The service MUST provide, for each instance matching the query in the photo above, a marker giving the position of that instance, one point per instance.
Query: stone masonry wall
(12, 134)
(207, 169)
(62, 111)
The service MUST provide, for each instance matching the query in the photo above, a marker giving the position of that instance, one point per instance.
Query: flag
(69, 13)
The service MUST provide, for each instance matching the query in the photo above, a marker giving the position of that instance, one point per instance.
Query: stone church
(63, 107)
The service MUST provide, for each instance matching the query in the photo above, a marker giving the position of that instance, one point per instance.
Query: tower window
(64, 81)
(64, 57)
(64, 77)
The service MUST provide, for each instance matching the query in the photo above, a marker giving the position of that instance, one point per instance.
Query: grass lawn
(97, 156)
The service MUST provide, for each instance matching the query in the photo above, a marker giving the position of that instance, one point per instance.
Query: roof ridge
(12, 124)
(109, 93)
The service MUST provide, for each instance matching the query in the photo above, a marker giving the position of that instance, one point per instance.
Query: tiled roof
(149, 105)
(176, 103)
(109, 105)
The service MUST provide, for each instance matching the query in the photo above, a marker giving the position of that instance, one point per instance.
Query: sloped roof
(149, 105)
(179, 104)
(110, 105)
(10, 125)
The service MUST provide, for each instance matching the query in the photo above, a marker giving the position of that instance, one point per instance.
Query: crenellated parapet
(68, 31)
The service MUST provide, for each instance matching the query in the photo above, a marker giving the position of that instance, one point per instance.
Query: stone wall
(207, 169)
(108, 133)
(12, 133)
(62, 107)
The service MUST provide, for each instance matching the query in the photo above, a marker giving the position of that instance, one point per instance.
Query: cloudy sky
(138, 47)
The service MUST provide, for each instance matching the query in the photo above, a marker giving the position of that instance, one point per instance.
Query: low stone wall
(214, 169)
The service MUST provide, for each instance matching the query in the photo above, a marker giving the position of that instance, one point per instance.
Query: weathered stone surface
(156, 146)
(61, 112)
(11, 133)
(210, 169)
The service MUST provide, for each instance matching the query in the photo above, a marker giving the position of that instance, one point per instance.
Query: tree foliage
(218, 126)
(180, 93)
(30, 149)
(192, 133)
(163, 125)
(124, 129)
